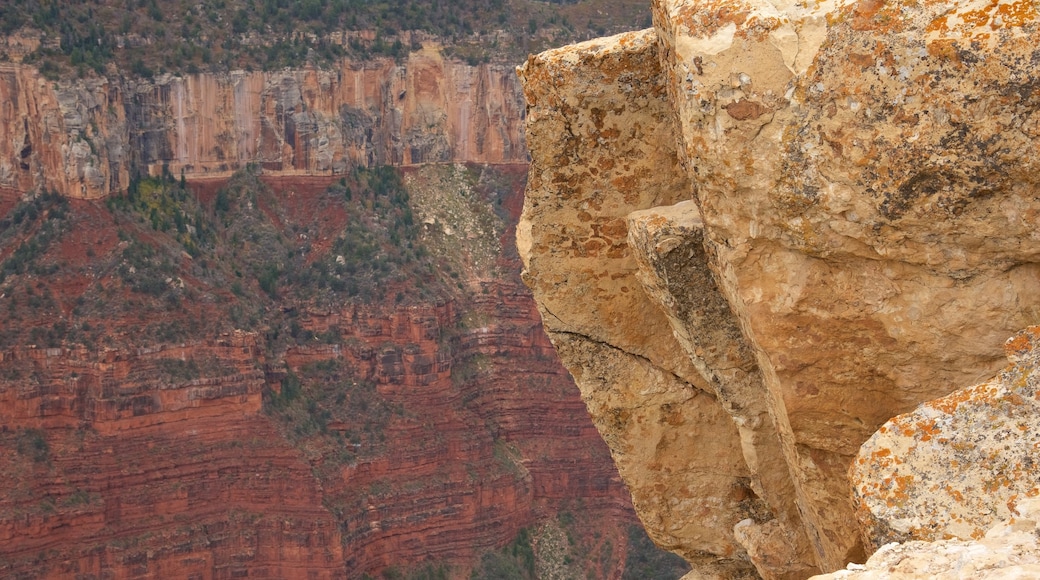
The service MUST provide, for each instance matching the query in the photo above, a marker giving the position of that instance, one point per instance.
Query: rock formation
(761, 229)
(1008, 551)
(423, 432)
(83, 138)
(957, 465)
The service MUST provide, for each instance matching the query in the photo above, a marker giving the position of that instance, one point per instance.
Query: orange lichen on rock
(980, 439)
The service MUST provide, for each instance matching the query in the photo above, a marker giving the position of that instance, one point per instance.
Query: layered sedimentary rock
(957, 465)
(84, 138)
(153, 462)
(851, 235)
(427, 432)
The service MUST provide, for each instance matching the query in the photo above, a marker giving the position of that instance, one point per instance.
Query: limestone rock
(668, 244)
(600, 107)
(81, 137)
(958, 464)
(1010, 550)
(864, 174)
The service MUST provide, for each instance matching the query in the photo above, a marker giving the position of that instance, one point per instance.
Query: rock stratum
(86, 138)
(759, 230)
(163, 415)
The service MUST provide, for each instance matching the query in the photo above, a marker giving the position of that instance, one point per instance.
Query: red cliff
(424, 432)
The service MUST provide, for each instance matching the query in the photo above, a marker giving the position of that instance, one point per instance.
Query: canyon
(759, 230)
(207, 377)
(236, 343)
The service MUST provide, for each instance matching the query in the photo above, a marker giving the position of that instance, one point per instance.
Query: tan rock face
(1009, 551)
(956, 465)
(599, 120)
(668, 244)
(82, 137)
(862, 175)
(71, 138)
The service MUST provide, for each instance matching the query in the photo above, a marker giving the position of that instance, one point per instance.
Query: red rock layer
(161, 461)
(115, 469)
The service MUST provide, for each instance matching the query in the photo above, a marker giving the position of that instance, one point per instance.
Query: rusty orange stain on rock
(744, 109)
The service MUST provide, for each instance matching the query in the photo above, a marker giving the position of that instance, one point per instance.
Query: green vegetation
(325, 394)
(427, 572)
(147, 37)
(167, 206)
(377, 249)
(23, 223)
(32, 444)
(516, 561)
(175, 370)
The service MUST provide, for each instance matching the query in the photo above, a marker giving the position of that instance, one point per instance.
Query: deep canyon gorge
(236, 343)
(273, 323)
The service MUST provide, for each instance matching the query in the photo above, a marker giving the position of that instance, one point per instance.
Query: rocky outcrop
(1009, 550)
(647, 399)
(849, 236)
(956, 465)
(83, 138)
(70, 138)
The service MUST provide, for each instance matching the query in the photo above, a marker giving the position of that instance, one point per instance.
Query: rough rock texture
(673, 443)
(121, 465)
(162, 460)
(71, 138)
(864, 173)
(958, 464)
(1008, 551)
(673, 268)
(83, 138)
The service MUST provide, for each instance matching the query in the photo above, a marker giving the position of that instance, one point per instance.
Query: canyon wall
(84, 138)
(391, 434)
(760, 230)
(154, 461)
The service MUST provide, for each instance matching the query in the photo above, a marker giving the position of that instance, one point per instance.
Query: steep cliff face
(71, 138)
(83, 138)
(332, 439)
(155, 461)
(849, 235)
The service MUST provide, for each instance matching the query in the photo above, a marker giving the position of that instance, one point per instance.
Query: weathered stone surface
(958, 464)
(864, 174)
(67, 137)
(599, 108)
(1008, 551)
(83, 137)
(668, 244)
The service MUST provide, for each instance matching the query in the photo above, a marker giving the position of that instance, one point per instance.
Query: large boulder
(957, 465)
(853, 233)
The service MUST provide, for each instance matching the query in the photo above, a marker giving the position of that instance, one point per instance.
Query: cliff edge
(761, 229)
(85, 138)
